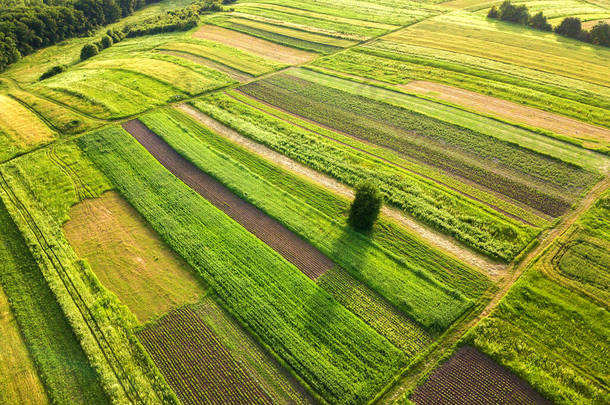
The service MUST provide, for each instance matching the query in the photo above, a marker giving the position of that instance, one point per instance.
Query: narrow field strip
(471, 378)
(19, 379)
(338, 188)
(196, 364)
(297, 251)
(271, 50)
(512, 111)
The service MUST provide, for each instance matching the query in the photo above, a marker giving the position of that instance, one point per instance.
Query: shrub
(512, 13)
(493, 12)
(600, 34)
(106, 42)
(539, 21)
(88, 51)
(366, 206)
(53, 71)
(569, 27)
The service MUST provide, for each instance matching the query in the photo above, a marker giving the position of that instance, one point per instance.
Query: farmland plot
(348, 165)
(470, 377)
(517, 173)
(196, 364)
(335, 354)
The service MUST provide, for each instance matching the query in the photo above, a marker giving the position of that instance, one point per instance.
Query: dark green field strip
(487, 161)
(393, 67)
(385, 233)
(331, 351)
(307, 258)
(409, 287)
(59, 358)
(197, 365)
(281, 39)
(468, 221)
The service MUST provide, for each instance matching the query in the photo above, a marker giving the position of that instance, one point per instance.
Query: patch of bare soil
(248, 43)
(587, 25)
(232, 73)
(471, 378)
(509, 110)
(299, 252)
(435, 238)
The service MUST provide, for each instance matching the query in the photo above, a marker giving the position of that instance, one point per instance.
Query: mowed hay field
(142, 271)
(176, 208)
(20, 128)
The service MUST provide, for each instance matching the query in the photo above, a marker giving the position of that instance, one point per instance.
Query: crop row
(497, 165)
(338, 357)
(198, 367)
(268, 373)
(442, 209)
(375, 311)
(409, 287)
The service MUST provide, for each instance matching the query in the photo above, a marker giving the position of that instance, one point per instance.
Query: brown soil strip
(509, 110)
(232, 73)
(196, 364)
(437, 239)
(294, 249)
(470, 377)
(248, 43)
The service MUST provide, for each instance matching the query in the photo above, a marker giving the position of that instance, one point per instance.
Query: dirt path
(547, 238)
(294, 249)
(509, 110)
(437, 239)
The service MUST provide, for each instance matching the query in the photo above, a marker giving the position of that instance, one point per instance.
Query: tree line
(569, 27)
(31, 25)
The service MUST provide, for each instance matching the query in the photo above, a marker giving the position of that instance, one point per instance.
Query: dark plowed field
(294, 249)
(471, 378)
(196, 365)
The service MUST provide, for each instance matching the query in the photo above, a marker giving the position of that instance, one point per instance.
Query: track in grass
(197, 366)
(294, 249)
(470, 377)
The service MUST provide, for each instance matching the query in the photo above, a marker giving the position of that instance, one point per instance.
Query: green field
(298, 310)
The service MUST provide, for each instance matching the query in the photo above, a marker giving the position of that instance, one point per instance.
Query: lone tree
(365, 208)
(569, 27)
(88, 51)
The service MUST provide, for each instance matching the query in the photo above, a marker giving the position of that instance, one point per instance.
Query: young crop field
(196, 364)
(338, 202)
(470, 377)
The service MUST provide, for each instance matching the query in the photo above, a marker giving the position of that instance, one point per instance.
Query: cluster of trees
(569, 26)
(34, 25)
(106, 41)
(176, 20)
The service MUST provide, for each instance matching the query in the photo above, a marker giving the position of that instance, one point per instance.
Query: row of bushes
(569, 27)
